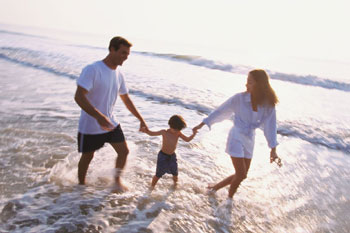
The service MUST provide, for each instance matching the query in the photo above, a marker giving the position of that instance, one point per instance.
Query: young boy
(166, 161)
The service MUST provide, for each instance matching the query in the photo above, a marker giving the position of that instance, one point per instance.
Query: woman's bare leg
(222, 183)
(244, 163)
(241, 167)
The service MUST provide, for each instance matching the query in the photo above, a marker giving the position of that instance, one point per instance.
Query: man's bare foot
(118, 187)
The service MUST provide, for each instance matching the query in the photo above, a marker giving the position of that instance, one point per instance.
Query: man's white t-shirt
(103, 85)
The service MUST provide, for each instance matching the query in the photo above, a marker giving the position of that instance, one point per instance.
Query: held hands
(143, 129)
(275, 158)
(143, 126)
(198, 127)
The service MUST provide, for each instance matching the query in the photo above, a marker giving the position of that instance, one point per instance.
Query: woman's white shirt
(238, 108)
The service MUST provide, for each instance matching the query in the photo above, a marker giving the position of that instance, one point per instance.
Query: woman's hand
(274, 157)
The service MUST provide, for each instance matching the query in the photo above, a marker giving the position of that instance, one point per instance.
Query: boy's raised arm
(187, 139)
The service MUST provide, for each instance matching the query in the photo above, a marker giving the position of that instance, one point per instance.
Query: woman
(249, 110)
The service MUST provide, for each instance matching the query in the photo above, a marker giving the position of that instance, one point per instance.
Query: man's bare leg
(122, 154)
(83, 165)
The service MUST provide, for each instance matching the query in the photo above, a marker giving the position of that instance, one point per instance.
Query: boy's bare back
(170, 138)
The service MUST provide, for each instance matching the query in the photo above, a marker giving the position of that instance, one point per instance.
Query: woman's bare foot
(211, 189)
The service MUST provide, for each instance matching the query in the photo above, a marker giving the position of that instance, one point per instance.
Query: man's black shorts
(93, 142)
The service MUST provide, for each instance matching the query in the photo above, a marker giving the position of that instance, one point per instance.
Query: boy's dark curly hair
(177, 122)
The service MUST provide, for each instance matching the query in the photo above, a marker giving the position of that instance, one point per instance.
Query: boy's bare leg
(154, 182)
(175, 181)
(122, 152)
(83, 165)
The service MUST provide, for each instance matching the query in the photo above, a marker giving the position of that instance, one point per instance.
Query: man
(98, 87)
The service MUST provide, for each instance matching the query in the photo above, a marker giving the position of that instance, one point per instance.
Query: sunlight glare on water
(38, 127)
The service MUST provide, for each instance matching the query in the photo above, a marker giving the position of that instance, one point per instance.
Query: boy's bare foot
(174, 186)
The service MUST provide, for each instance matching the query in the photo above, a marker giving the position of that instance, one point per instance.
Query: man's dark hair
(177, 122)
(117, 41)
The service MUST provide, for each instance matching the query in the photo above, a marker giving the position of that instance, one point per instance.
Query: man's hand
(105, 123)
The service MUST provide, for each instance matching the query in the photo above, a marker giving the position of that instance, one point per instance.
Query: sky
(312, 28)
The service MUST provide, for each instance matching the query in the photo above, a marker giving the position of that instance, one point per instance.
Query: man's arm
(83, 102)
(131, 107)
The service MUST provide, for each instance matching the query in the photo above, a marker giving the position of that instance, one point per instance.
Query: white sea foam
(38, 157)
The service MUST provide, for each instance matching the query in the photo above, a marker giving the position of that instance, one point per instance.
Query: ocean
(38, 151)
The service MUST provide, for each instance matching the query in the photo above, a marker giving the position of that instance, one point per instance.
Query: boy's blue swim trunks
(166, 164)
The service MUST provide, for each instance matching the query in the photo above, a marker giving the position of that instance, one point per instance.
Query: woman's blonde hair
(262, 92)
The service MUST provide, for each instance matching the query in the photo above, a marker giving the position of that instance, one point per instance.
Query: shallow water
(38, 157)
